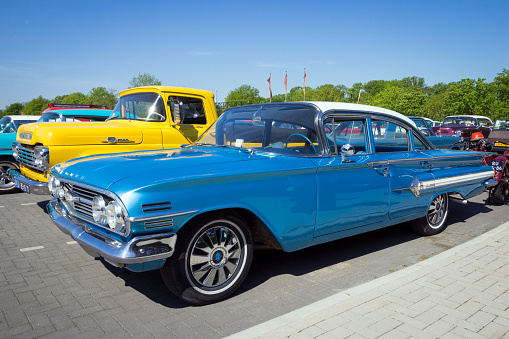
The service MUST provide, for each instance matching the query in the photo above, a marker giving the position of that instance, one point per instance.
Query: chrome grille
(83, 205)
(26, 156)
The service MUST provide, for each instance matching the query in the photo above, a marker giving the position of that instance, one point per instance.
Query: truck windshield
(140, 106)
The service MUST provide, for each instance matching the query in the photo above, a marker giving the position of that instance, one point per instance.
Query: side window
(192, 110)
(341, 131)
(389, 137)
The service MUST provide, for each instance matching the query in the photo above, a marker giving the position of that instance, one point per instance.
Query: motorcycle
(500, 163)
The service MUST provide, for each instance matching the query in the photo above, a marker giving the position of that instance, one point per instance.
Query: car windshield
(140, 106)
(501, 124)
(464, 121)
(8, 125)
(278, 128)
(423, 126)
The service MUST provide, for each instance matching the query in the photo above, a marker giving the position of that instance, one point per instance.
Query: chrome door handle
(383, 170)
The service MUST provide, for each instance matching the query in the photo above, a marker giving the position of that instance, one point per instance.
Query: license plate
(501, 144)
(498, 165)
(24, 187)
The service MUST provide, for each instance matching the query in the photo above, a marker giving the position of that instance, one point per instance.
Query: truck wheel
(211, 260)
(6, 185)
(434, 220)
(500, 192)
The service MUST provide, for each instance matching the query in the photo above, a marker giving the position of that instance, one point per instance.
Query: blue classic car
(8, 127)
(286, 175)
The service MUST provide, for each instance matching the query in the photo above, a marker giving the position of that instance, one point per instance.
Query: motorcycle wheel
(500, 192)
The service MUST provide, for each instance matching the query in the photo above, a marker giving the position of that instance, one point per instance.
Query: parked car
(499, 136)
(432, 123)
(286, 175)
(74, 113)
(8, 127)
(445, 141)
(464, 125)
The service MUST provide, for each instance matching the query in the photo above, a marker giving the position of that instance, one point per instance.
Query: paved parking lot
(50, 287)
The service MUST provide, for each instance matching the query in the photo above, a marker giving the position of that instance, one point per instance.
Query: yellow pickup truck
(145, 118)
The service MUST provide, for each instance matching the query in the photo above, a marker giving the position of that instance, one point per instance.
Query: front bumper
(28, 185)
(138, 250)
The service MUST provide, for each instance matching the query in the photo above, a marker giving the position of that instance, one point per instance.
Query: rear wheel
(6, 185)
(211, 260)
(434, 220)
(500, 192)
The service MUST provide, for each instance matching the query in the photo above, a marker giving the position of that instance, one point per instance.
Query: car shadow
(270, 263)
(43, 205)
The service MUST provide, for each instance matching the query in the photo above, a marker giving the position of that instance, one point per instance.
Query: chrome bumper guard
(137, 250)
(491, 183)
(28, 185)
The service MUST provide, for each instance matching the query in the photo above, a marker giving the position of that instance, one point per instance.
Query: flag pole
(286, 82)
(304, 87)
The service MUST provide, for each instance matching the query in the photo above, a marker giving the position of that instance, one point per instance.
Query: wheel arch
(262, 236)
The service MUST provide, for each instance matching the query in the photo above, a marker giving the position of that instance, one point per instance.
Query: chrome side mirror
(347, 150)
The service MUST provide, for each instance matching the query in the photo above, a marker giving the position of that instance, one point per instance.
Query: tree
(469, 96)
(246, 94)
(73, 98)
(144, 79)
(13, 109)
(36, 106)
(501, 89)
(103, 97)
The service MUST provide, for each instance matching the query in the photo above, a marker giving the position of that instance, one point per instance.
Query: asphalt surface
(49, 287)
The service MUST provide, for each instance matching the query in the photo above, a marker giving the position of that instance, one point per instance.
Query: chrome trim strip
(463, 178)
(135, 219)
(417, 186)
(385, 162)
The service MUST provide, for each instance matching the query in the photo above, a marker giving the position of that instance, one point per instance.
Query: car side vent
(158, 223)
(160, 206)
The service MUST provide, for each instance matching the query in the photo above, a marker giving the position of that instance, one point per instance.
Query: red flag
(304, 87)
(269, 87)
(286, 78)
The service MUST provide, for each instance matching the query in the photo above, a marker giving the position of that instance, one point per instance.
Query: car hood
(77, 133)
(129, 171)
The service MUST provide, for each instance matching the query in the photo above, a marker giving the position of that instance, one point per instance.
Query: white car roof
(327, 106)
(23, 117)
(468, 116)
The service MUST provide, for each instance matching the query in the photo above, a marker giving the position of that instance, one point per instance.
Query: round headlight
(37, 158)
(99, 210)
(53, 185)
(114, 216)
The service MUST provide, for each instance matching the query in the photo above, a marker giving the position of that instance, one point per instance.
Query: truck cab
(145, 118)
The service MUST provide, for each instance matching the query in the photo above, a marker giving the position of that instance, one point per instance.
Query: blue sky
(52, 48)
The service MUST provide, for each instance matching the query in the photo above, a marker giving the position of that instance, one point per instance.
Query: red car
(464, 126)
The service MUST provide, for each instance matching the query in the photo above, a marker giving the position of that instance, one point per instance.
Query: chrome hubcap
(5, 181)
(437, 211)
(215, 256)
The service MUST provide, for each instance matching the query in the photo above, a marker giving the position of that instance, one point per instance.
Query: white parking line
(71, 242)
(30, 203)
(31, 248)
(2, 206)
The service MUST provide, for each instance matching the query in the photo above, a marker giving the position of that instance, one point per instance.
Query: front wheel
(211, 260)
(6, 185)
(500, 192)
(434, 220)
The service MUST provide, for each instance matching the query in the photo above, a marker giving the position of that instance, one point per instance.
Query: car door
(351, 193)
(405, 166)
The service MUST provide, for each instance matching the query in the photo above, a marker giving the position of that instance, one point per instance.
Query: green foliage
(36, 106)
(103, 97)
(73, 98)
(13, 109)
(246, 94)
(144, 79)
(469, 96)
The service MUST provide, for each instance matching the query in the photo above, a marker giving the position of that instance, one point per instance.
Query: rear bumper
(138, 250)
(28, 185)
